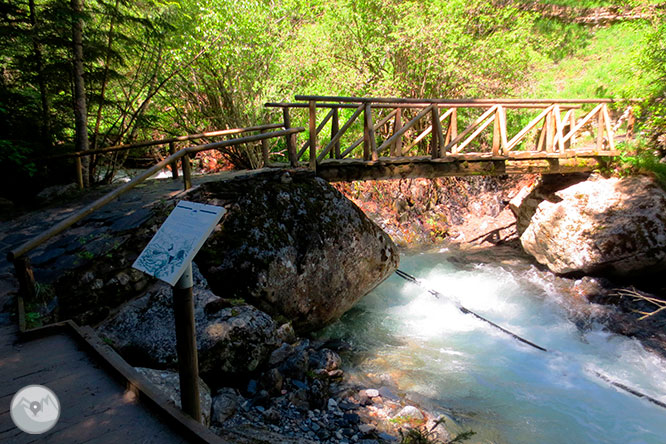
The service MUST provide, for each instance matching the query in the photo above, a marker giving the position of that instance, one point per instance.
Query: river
(484, 380)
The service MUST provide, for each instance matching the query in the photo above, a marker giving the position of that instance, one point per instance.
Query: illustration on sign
(177, 241)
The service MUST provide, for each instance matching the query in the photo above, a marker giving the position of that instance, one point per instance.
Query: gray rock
(57, 191)
(325, 359)
(613, 226)
(225, 403)
(409, 412)
(169, 383)
(234, 340)
(371, 393)
(299, 250)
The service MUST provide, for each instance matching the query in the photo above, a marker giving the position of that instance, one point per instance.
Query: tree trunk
(80, 108)
(41, 79)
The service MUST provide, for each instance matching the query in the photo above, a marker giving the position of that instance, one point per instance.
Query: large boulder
(231, 340)
(615, 226)
(293, 246)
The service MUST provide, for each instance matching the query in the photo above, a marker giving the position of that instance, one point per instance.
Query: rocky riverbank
(605, 239)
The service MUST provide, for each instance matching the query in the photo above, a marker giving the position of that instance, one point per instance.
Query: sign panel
(177, 241)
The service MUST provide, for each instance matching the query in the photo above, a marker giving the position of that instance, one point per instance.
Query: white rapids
(506, 391)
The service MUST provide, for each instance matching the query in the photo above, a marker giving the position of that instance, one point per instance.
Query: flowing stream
(484, 380)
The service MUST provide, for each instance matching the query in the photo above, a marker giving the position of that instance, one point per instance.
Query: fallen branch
(637, 296)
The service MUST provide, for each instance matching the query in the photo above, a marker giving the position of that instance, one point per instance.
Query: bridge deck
(473, 164)
(95, 407)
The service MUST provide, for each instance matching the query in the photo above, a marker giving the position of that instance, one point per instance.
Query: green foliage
(643, 160)
(421, 435)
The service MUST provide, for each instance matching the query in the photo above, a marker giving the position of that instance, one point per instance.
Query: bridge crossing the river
(421, 137)
(399, 138)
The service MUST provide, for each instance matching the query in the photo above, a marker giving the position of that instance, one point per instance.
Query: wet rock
(604, 226)
(409, 412)
(298, 250)
(324, 359)
(169, 383)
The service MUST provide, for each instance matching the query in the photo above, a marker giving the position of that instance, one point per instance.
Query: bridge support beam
(349, 170)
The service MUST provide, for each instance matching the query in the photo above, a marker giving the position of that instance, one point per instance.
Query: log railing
(556, 131)
(171, 143)
(19, 255)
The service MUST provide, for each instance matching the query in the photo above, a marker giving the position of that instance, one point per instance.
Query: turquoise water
(486, 381)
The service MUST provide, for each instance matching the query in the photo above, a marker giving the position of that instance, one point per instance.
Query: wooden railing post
(550, 133)
(264, 150)
(187, 172)
(600, 129)
(437, 135)
(369, 142)
(497, 133)
(572, 124)
(453, 129)
(396, 148)
(290, 138)
(313, 135)
(174, 164)
(335, 127)
(79, 172)
(27, 287)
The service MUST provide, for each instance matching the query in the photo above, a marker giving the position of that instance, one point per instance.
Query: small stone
(387, 393)
(371, 393)
(366, 428)
(338, 435)
(332, 403)
(409, 412)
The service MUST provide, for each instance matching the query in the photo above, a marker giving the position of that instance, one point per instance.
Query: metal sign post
(168, 257)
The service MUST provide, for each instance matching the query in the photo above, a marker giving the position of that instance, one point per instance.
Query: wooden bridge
(421, 138)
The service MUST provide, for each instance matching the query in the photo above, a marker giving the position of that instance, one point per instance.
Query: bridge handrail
(501, 101)
(557, 134)
(166, 141)
(26, 247)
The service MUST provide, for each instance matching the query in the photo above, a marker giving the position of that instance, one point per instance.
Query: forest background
(78, 75)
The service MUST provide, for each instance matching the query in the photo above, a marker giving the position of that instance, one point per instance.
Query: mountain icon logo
(35, 409)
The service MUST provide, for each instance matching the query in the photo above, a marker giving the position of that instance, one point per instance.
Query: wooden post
(600, 129)
(497, 133)
(335, 127)
(187, 172)
(174, 164)
(264, 150)
(550, 133)
(369, 142)
(397, 146)
(572, 123)
(186, 345)
(437, 135)
(453, 128)
(79, 172)
(313, 134)
(503, 137)
(27, 288)
(290, 138)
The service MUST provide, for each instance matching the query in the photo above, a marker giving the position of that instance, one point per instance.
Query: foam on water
(504, 390)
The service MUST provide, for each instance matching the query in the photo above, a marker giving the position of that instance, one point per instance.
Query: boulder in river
(603, 226)
(293, 246)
